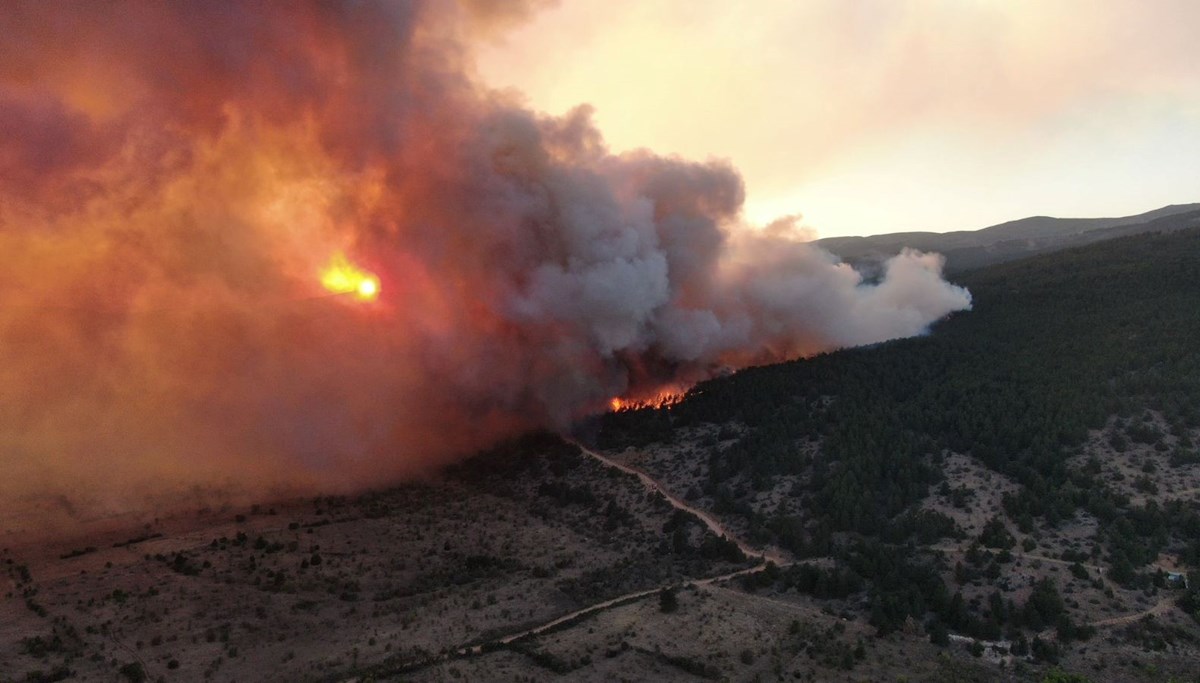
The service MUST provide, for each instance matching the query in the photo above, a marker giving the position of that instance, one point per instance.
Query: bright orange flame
(343, 277)
(664, 398)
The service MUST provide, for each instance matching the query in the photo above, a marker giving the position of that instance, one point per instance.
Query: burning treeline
(178, 179)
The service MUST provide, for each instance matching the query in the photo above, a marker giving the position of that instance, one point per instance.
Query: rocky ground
(400, 584)
(325, 587)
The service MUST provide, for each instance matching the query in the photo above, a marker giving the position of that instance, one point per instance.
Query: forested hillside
(1103, 339)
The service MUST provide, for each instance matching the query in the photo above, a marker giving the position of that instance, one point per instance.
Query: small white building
(1177, 580)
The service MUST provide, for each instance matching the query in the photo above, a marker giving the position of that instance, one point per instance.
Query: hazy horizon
(875, 117)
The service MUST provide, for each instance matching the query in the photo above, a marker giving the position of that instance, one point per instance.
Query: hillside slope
(992, 501)
(1057, 422)
(1055, 346)
(970, 249)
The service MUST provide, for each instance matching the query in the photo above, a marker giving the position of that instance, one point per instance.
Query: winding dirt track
(770, 555)
(601, 606)
(764, 556)
(711, 522)
(715, 526)
(1163, 605)
(653, 486)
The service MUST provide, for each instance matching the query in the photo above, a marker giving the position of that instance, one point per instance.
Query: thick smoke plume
(174, 177)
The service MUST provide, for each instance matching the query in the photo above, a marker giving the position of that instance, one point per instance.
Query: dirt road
(711, 522)
(714, 525)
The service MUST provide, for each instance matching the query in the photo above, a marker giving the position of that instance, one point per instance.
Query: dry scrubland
(384, 585)
(1140, 634)
(327, 587)
(717, 633)
(682, 468)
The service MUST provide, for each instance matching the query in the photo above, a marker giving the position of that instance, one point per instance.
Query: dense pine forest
(1092, 338)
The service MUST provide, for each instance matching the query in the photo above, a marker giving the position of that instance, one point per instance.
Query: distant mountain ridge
(970, 249)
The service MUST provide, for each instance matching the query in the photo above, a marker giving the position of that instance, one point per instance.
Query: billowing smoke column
(177, 178)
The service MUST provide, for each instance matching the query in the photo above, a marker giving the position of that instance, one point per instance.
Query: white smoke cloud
(162, 324)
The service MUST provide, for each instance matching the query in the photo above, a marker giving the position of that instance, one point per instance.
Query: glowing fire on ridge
(663, 399)
(343, 277)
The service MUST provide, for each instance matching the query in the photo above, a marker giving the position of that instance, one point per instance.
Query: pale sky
(870, 116)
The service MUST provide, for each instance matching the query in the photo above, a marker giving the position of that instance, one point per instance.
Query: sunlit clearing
(343, 277)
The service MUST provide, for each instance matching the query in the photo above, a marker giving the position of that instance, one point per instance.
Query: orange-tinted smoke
(176, 178)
